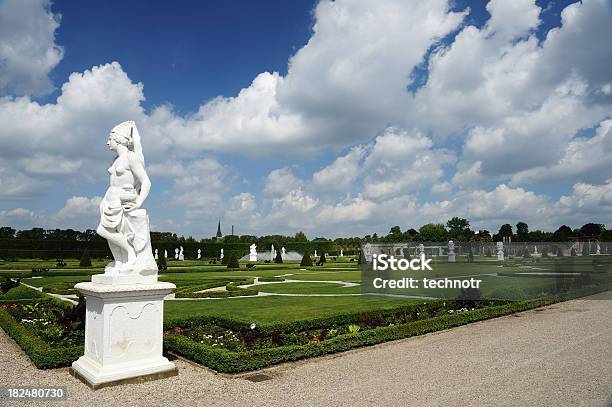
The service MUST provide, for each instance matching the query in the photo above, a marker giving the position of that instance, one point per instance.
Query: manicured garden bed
(38, 325)
(230, 346)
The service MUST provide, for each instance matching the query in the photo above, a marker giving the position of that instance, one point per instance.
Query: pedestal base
(451, 258)
(88, 372)
(123, 333)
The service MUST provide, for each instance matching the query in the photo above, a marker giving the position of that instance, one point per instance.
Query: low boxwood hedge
(40, 353)
(21, 292)
(226, 361)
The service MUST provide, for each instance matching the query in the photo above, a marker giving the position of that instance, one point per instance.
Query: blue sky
(335, 118)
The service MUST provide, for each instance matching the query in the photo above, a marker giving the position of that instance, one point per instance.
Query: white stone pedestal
(123, 333)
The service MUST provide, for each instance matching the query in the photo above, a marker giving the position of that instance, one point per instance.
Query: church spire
(219, 234)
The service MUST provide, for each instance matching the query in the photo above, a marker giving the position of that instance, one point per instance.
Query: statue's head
(121, 134)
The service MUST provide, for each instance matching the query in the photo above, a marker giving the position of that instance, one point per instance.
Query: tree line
(456, 229)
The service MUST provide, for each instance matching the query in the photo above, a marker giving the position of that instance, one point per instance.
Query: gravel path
(555, 356)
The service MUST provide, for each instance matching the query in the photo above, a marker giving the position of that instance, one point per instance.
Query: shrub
(85, 260)
(43, 355)
(232, 261)
(161, 261)
(488, 252)
(322, 258)
(9, 284)
(573, 252)
(21, 292)
(526, 253)
(279, 258)
(306, 260)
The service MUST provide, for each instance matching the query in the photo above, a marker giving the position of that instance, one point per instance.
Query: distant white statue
(123, 222)
(253, 252)
(156, 255)
(315, 253)
(181, 255)
(221, 256)
(421, 250)
(272, 253)
(598, 250)
(451, 251)
(176, 253)
(535, 249)
(283, 252)
(500, 251)
(341, 253)
(199, 254)
(165, 254)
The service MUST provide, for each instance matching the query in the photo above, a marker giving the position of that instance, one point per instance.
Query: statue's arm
(145, 183)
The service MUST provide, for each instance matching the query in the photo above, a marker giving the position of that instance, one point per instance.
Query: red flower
(178, 330)
(165, 333)
(4, 306)
(314, 340)
(14, 306)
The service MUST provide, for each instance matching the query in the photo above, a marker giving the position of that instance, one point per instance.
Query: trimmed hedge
(21, 292)
(40, 353)
(226, 361)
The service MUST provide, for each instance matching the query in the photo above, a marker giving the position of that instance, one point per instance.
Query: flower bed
(35, 325)
(231, 346)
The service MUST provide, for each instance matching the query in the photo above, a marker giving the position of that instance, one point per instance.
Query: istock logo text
(382, 262)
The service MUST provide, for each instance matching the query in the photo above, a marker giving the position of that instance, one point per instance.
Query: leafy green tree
(432, 232)
(7, 232)
(306, 260)
(505, 230)
(563, 234)
(592, 229)
(279, 258)
(232, 262)
(85, 260)
(459, 229)
(522, 231)
(300, 237)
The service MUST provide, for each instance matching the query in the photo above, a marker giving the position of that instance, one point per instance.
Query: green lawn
(308, 288)
(273, 309)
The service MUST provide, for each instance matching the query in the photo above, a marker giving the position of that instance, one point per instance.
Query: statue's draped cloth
(134, 225)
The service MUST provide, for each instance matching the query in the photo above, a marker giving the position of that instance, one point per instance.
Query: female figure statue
(122, 223)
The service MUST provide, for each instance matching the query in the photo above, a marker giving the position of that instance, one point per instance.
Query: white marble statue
(451, 251)
(535, 250)
(283, 252)
(221, 255)
(253, 252)
(199, 254)
(421, 250)
(166, 254)
(500, 251)
(156, 255)
(272, 253)
(181, 255)
(598, 252)
(123, 222)
(124, 306)
(176, 253)
(341, 253)
(315, 253)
